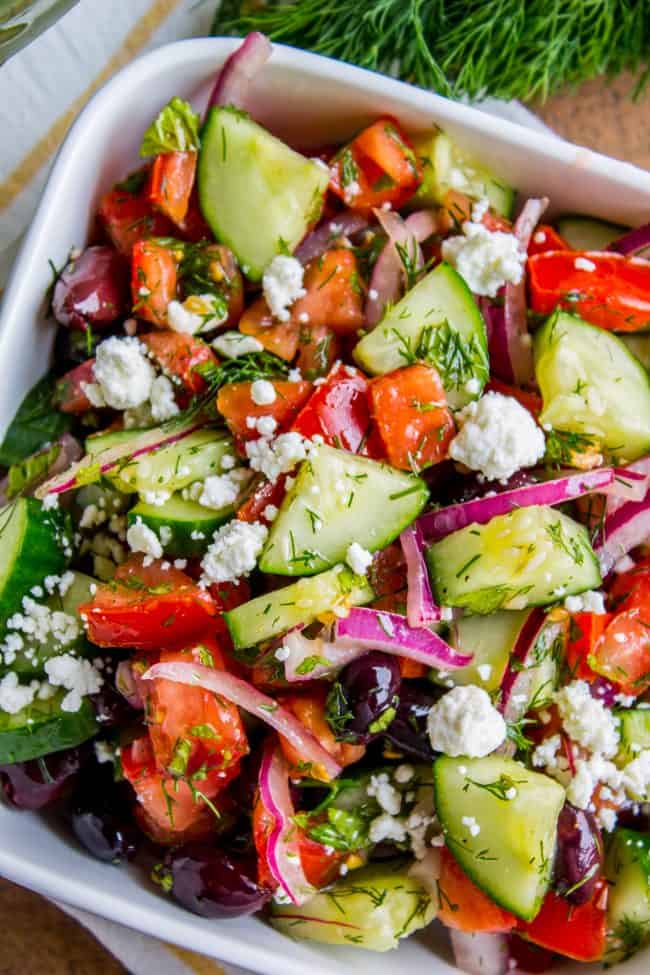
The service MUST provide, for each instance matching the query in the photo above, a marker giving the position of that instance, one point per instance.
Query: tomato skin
(236, 404)
(414, 434)
(622, 653)
(552, 241)
(338, 410)
(281, 338)
(309, 708)
(128, 217)
(530, 401)
(178, 355)
(69, 396)
(148, 608)
(170, 184)
(154, 278)
(615, 295)
(194, 227)
(319, 348)
(586, 629)
(457, 208)
(334, 297)
(463, 905)
(267, 493)
(576, 931)
(633, 583)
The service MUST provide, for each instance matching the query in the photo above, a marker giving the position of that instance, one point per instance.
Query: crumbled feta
(221, 490)
(197, 313)
(539, 237)
(465, 722)
(584, 264)
(486, 260)
(157, 498)
(263, 392)
(140, 538)
(14, 696)
(282, 653)
(275, 457)
(386, 828)
(39, 624)
(123, 374)
(358, 558)
(404, 774)
(589, 773)
(266, 425)
(294, 376)
(282, 285)
(104, 752)
(50, 502)
(636, 776)
(234, 551)
(471, 824)
(78, 676)
(587, 602)
(163, 403)
(472, 386)
(484, 671)
(271, 512)
(497, 437)
(586, 720)
(92, 517)
(387, 796)
(233, 344)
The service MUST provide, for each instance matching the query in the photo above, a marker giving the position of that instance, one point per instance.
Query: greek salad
(325, 586)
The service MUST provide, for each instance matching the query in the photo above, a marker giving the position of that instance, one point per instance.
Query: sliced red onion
(90, 468)
(522, 669)
(372, 629)
(388, 272)
(626, 528)
(246, 696)
(127, 685)
(69, 452)
(630, 475)
(314, 659)
(317, 242)
(437, 524)
(421, 610)
(480, 953)
(422, 224)
(636, 241)
(239, 70)
(282, 851)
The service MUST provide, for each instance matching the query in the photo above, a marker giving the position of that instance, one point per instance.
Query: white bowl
(309, 100)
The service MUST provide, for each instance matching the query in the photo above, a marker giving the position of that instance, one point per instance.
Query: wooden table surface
(36, 937)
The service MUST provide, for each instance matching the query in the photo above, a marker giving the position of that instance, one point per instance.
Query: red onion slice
(314, 659)
(371, 629)
(480, 953)
(127, 685)
(282, 851)
(635, 242)
(246, 696)
(626, 528)
(239, 70)
(69, 452)
(629, 475)
(421, 610)
(388, 272)
(317, 242)
(437, 524)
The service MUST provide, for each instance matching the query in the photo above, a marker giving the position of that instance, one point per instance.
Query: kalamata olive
(111, 708)
(579, 854)
(363, 702)
(92, 289)
(214, 883)
(101, 817)
(527, 956)
(72, 347)
(35, 784)
(603, 690)
(635, 816)
(408, 730)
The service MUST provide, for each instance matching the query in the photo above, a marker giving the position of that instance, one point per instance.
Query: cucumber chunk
(339, 498)
(257, 194)
(634, 729)
(169, 468)
(491, 639)
(33, 543)
(627, 869)
(592, 387)
(511, 858)
(588, 234)
(437, 322)
(303, 601)
(185, 528)
(529, 557)
(448, 167)
(371, 908)
(44, 727)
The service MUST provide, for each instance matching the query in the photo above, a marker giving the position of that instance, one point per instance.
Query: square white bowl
(308, 100)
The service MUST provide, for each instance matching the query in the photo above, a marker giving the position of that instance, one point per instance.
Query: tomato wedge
(310, 710)
(379, 166)
(319, 348)
(148, 607)
(608, 290)
(586, 629)
(170, 184)
(530, 401)
(622, 652)
(576, 931)
(154, 278)
(546, 238)
(265, 494)
(235, 403)
(179, 356)
(127, 216)
(463, 905)
(281, 338)
(69, 395)
(334, 295)
(338, 410)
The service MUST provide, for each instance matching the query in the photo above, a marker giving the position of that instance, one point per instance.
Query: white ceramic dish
(309, 100)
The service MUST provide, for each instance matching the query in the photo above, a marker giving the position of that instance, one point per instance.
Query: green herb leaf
(176, 129)
(35, 424)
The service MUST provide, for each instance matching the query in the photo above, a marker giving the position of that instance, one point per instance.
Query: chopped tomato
(457, 208)
(147, 607)
(194, 227)
(411, 668)
(179, 355)
(546, 238)
(235, 403)
(388, 570)
(281, 338)
(463, 905)
(310, 710)
(609, 290)
(267, 493)
(334, 296)
(127, 216)
(170, 184)
(586, 628)
(212, 269)
(319, 348)
(69, 395)
(622, 652)
(154, 277)
(378, 166)
(338, 410)
(633, 583)
(530, 401)
(576, 931)
(410, 409)
(228, 595)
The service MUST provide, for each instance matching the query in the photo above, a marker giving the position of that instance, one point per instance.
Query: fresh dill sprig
(244, 369)
(505, 48)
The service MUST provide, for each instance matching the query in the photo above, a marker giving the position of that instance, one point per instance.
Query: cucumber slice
(339, 498)
(634, 730)
(639, 346)
(185, 528)
(437, 322)
(511, 859)
(593, 387)
(43, 727)
(171, 467)
(627, 869)
(303, 601)
(448, 167)
(33, 542)
(371, 908)
(491, 639)
(257, 194)
(529, 557)
(588, 234)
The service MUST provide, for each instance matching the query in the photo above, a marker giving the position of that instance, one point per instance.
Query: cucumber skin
(627, 868)
(65, 729)
(181, 543)
(588, 234)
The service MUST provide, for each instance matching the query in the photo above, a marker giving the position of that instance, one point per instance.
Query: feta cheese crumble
(358, 558)
(275, 457)
(234, 551)
(123, 374)
(163, 403)
(465, 722)
(282, 285)
(587, 602)
(234, 344)
(197, 313)
(485, 259)
(263, 392)
(586, 720)
(218, 490)
(14, 696)
(497, 437)
(140, 538)
(79, 677)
